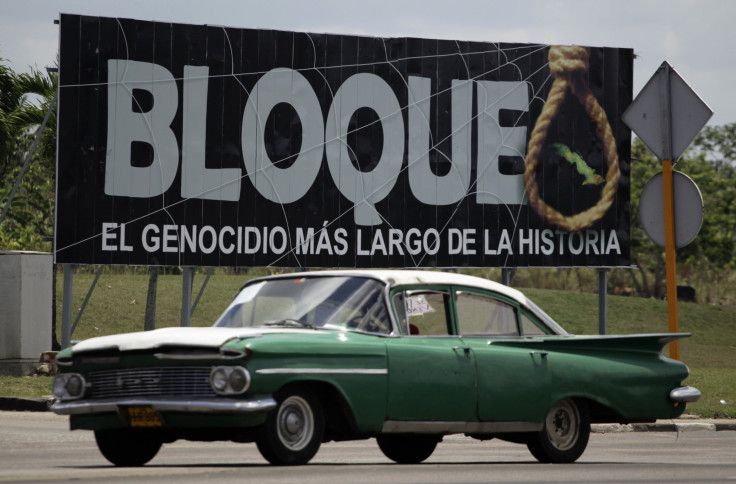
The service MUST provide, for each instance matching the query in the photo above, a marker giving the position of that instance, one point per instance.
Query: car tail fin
(628, 342)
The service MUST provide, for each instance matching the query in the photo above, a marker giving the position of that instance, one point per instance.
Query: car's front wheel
(293, 431)
(127, 448)
(407, 449)
(565, 434)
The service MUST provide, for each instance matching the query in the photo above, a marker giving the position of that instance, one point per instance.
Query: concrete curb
(26, 404)
(689, 425)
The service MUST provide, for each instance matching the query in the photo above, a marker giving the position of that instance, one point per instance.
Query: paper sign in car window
(418, 305)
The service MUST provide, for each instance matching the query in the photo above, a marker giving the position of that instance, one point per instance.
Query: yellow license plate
(143, 416)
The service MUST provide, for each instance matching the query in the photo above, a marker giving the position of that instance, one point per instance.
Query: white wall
(25, 304)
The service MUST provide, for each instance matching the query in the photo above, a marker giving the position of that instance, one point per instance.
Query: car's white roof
(401, 277)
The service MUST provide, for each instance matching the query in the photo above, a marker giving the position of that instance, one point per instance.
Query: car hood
(208, 337)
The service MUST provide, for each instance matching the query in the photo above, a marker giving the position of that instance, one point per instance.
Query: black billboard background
(237, 58)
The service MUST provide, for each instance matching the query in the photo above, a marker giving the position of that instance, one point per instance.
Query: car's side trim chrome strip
(432, 427)
(200, 405)
(322, 371)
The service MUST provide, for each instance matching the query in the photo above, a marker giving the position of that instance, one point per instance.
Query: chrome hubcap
(563, 425)
(295, 423)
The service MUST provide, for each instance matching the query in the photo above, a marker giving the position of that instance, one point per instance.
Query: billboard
(215, 146)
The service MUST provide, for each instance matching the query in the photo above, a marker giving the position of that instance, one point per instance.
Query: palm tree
(10, 100)
(42, 88)
(24, 101)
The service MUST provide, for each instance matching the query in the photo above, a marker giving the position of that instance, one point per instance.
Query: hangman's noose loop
(567, 65)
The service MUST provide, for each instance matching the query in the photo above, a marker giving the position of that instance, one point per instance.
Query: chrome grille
(168, 381)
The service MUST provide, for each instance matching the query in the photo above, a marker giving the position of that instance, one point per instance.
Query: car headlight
(68, 386)
(239, 380)
(218, 379)
(229, 380)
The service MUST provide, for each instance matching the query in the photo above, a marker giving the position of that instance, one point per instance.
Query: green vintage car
(405, 357)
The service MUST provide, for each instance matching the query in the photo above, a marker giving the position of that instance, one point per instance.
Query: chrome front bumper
(200, 405)
(685, 394)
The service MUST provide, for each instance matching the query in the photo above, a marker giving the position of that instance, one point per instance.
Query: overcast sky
(697, 37)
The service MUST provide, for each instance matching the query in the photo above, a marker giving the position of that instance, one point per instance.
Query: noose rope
(568, 65)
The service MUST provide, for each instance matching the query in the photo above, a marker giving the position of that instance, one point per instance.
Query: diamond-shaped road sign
(667, 114)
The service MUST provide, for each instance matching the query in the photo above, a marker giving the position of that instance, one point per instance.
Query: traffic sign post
(670, 254)
(666, 115)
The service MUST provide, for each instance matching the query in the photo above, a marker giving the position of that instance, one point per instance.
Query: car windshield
(340, 303)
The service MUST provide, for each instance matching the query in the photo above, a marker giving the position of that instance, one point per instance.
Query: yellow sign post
(670, 255)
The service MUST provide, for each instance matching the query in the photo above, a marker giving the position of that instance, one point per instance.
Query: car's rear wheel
(407, 449)
(565, 434)
(127, 448)
(294, 429)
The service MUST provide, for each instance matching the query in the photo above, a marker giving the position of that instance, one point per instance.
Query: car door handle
(543, 354)
(466, 349)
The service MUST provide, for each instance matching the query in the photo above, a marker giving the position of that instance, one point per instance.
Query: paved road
(37, 447)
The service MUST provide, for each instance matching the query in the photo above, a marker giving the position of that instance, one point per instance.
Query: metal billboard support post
(602, 301)
(210, 271)
(86, 300)
(507, 275)
(66, 308)
(187, 277)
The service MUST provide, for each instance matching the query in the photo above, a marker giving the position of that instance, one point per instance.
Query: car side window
(481, 314)
(529, 327)
(422, 312)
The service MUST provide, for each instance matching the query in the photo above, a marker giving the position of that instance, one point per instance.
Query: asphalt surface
(38, 447)
(683, 424)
